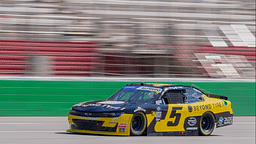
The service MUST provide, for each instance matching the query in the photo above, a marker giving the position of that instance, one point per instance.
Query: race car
(152, 109)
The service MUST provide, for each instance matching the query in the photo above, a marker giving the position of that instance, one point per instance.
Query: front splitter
(96, 132)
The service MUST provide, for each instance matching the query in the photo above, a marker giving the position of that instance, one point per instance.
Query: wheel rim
(207, 123)
(137, 123)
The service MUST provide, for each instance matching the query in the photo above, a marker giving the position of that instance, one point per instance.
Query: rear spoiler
(218, 96)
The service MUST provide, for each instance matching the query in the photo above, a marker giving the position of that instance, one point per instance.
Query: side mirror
(158, 102)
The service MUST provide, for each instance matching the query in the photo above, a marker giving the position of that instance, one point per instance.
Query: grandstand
(44, 58)
(130, 37)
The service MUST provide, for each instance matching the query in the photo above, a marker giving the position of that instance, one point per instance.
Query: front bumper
(100, 125)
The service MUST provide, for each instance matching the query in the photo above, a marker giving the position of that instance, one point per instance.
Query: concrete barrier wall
(55, 98)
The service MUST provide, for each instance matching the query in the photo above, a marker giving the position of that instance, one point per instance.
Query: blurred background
(128, 38)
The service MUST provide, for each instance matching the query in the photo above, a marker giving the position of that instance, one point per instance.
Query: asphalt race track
(51, 130)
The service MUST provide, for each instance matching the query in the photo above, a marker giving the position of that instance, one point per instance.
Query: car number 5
(173, 114)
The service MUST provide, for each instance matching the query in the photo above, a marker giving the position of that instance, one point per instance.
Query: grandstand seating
(124, 31)
(248, 52)
(66, 58)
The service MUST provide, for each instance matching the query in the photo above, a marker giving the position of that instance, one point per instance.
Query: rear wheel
(138, 124)
(206, 125)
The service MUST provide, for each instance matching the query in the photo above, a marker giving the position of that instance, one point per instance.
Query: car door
(175, 114)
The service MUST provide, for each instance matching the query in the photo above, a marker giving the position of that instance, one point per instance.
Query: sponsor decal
(106, 104)
(110, 107)
(208, 106)
(220, 121)
(93, 118)
(191, 128)
(150, 89)
(225, 121)
(228, 120)
(177, 87)
(174, 88)
(101, 104)
(158, 115)
(192, 121)
(90, 105)
(111, 102)
(130, 87)
(121, 129)
(139, 109)
(123, 125)
(225, 103)
(114, 119)
(190, 108)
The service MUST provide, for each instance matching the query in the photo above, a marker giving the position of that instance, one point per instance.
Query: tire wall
(55, 98)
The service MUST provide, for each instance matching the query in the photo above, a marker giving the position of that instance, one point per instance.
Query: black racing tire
(138, 124)
(207, 123)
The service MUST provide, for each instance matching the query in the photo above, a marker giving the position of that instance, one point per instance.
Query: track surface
(51, 130)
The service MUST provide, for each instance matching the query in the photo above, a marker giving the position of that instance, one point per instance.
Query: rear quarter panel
(179, 117)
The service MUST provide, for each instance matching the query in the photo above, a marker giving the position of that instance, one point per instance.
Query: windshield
(136, 94)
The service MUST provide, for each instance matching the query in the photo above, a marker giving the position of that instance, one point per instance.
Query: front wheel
(138, 124)
(206, 125)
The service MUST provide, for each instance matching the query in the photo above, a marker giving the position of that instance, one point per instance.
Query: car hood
(103, 106)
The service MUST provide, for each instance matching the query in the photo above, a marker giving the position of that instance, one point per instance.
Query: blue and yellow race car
(152, 109)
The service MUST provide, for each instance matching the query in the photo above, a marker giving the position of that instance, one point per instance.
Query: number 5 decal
(173, 114)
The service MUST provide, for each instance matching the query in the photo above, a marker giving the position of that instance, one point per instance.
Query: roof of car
(151, 84)
(159, 85)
